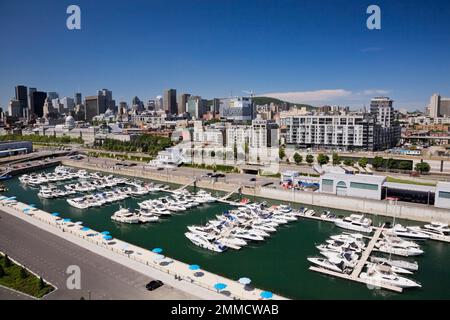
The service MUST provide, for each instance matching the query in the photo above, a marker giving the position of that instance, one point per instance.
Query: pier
(354, 276)
(193, 182)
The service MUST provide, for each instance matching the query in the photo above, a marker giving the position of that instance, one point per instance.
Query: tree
(392, 164)
(281, 153)
(349, 162)
(23, 273)
(7, 261)
(405, 165)
(336, 159)
(377, 162)
(309, 158)
(323, 159)
(2, 271)
(363, 162)
(422, 167)
(298, 158)
(41, 283)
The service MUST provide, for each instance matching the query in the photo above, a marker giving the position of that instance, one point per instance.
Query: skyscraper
(159, 103)
(30, 101)
(182, 100)
(22, 97)
(439, 106)
(170, 101)
(52, 95)
(38, 98)
(92, 107)
(78, 98)
(196, 107)
(14, 108)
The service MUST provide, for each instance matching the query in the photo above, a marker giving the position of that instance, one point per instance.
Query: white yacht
(414, 266)
(434, 229)
(125, 216)
(79, 203)
(401, 231)
(350, 259)
(384, 275)
(335, 265)
(147, 216)
(204, 243)
(355, 222)
(393, 268)
(391, 248)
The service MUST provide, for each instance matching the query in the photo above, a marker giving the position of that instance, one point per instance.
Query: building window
(365, 186)
(341, 184)
(444, 194)
(327, 182)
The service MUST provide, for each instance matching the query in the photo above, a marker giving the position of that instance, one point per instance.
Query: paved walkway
(49, 255)
(137, 258)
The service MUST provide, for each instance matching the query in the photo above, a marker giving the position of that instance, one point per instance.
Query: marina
(282, 255)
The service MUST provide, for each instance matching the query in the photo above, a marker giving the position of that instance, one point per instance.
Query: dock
(354, 276)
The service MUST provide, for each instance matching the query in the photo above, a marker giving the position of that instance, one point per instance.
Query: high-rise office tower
(78, 98)
(52, 95)
(22, 97)
(91, 104)
(30, 100)
(14, 108)
(170, 101)
(439, 106)
(38, 98)
(182, 100)
(196, 107)
(159, 103)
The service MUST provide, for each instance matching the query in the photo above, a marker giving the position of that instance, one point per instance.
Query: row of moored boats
(153, 209)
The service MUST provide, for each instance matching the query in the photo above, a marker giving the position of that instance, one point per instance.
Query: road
(49, 256)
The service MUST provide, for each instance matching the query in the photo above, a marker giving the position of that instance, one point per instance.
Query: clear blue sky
(317, 51)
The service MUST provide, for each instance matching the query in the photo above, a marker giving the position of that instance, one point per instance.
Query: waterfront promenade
(177, 274)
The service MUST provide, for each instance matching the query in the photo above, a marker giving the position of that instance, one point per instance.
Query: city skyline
(297, 51)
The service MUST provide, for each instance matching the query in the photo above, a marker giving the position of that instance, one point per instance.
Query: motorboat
(414, 266)
(355, 222)
(379, 275)
(434, 229)
(328, 216)
(393, 268)
(404, 232)
(202, 242)
(391, 248)
(79, 203)
(147, 216)
(125, 216)
(334, 265)
(349, 258)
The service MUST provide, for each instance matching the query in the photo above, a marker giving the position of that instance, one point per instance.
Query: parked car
(153, 285)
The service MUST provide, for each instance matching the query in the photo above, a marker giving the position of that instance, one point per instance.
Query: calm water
(278, 264)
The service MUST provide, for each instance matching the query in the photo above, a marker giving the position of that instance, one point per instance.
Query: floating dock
(354, 276)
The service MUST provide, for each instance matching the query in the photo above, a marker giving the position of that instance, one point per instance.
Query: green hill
(268, 100)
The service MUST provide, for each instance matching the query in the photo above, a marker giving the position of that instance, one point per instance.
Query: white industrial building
(442, 195)
(353, 185)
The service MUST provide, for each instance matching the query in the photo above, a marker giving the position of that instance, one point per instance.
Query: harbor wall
(403, 210)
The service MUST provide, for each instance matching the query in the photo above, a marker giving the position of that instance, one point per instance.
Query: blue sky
(317, 52)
